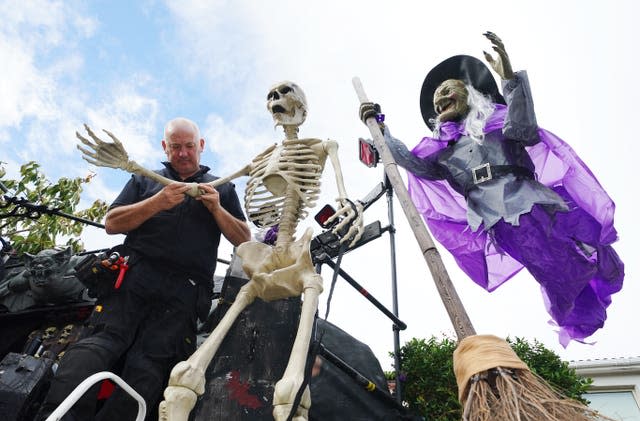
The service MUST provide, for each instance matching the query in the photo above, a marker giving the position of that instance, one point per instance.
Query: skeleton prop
(493, 383)
(284, 182)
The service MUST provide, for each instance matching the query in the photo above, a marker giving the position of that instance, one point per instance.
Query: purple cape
(445, 210)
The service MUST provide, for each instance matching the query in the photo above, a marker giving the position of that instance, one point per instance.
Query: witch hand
(501, 64)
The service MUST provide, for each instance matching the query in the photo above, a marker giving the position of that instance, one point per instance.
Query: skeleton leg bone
(278, 272)
(286, 389)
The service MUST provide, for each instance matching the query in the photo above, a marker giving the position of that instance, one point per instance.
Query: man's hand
(209, 197)
(501, 65)
(235, 230)
(171, 195)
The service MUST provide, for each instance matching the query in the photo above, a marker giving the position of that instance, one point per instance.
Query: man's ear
(202, 144)
(164, 145)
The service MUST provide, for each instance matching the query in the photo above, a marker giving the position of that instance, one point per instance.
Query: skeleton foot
(185, 384)
(178, 403)
(283, 397)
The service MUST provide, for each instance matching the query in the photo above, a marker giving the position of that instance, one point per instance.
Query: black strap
(518, 171)
(498, 171)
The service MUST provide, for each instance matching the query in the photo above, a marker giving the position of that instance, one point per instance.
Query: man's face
(183, 150)
(450, 100)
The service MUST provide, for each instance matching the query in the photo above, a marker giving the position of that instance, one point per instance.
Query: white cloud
(132, 118)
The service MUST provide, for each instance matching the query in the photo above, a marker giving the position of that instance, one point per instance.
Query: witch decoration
(500, 193)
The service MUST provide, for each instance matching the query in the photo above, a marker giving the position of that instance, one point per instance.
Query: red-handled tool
(124, 266)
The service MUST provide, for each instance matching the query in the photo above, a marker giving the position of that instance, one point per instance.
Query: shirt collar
(195, 177)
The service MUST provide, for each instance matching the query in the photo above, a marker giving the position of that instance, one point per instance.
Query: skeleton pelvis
(280, 271)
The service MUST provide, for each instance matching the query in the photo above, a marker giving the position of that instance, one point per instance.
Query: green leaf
(32, 236)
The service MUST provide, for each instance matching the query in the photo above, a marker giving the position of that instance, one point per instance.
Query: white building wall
(615, 390)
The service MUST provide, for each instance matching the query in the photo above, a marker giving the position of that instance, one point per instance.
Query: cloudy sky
(130, 66)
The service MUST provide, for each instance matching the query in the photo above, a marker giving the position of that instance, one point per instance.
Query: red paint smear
(240, 392)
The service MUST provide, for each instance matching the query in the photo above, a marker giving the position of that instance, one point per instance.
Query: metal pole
(394, 287)
(397, 323)
(452, 303)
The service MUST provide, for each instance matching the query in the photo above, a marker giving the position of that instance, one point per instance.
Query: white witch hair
(480, 109)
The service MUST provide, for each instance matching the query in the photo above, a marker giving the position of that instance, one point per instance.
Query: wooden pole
(450, 299)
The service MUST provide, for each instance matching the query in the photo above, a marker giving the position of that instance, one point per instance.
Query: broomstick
(493, 383)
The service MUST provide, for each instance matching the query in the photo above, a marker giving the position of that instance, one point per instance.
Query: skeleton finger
(356, 238)
(115, 139)
(354, 234)
(91, 161)
(340, 212)
(100, 157)
(343, 223)
(98, 162)
(85, 141)
(87, 152)
(93, 136)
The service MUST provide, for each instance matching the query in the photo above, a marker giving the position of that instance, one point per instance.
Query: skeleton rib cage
(290, 165)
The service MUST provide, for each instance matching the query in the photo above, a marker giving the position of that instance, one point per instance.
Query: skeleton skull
(49, 332)
(66, 331)
(287, 104)
(450, 100)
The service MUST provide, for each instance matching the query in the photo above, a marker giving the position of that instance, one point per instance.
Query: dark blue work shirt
(185, 237)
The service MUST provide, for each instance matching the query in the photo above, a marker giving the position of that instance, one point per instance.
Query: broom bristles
(495, 384)
(519, 395)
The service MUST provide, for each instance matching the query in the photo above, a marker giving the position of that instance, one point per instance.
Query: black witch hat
(465, 68)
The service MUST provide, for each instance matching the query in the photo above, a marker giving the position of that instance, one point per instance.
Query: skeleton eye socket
(285, 90)
(272, 95)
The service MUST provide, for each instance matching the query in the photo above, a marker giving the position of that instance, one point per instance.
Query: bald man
(148, 324)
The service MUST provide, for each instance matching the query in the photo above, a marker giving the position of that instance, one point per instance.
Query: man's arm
(234, 229)
(125, 218)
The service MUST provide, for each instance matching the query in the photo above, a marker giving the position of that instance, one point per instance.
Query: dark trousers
(150, 324)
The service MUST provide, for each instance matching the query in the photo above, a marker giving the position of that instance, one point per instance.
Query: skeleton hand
(351, 215)
(105, 154)
(113, 155)
(501, 64)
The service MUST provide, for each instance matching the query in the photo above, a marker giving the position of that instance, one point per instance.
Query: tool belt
(104, 273)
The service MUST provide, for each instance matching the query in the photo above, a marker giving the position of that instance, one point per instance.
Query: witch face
(450, 100)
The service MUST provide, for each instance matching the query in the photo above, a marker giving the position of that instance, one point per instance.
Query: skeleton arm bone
(352, 212)
(240, 173)
(113, 155)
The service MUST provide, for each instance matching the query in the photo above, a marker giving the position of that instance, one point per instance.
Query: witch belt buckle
(481, 173)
